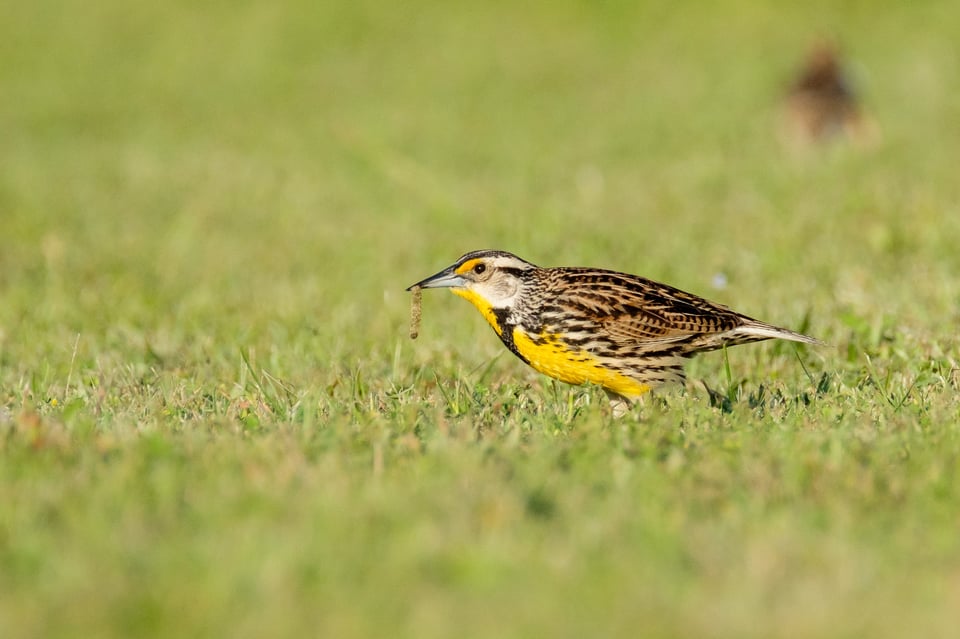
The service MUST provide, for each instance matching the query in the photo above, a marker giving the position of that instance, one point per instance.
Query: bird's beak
(444, 279)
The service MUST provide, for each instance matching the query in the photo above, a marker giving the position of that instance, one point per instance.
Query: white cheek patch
(500, 294)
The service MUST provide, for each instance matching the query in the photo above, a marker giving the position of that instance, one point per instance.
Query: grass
(212, 421)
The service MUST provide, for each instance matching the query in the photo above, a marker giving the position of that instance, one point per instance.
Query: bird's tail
(754, 331)
(749, 331)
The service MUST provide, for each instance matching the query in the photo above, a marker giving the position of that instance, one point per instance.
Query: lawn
(213, 422)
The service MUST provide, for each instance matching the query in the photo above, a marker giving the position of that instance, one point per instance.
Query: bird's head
(488, 279)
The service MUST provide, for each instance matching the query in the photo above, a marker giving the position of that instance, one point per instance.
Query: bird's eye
(479, 269)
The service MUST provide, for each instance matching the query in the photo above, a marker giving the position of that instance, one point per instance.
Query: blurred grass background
(212, 421)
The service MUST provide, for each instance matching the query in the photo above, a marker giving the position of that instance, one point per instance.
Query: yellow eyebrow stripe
(467, 266)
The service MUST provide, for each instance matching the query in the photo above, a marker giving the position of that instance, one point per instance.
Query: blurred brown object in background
(821, 104)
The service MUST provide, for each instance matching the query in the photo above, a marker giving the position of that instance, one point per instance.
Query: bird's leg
(619, 404)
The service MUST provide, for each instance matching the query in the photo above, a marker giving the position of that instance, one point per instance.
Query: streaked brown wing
(631, 308)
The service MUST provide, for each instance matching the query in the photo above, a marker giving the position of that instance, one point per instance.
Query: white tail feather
(768, 331)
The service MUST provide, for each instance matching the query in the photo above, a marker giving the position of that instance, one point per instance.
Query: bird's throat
(482, 305)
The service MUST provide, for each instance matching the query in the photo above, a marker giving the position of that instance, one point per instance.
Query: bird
(822, 105)
(624, 333)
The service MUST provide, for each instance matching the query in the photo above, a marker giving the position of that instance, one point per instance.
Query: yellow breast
(552, 357)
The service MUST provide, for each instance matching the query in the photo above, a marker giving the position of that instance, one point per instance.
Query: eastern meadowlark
(622, 332)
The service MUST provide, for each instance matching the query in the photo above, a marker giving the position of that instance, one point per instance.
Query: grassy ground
(212, 421)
